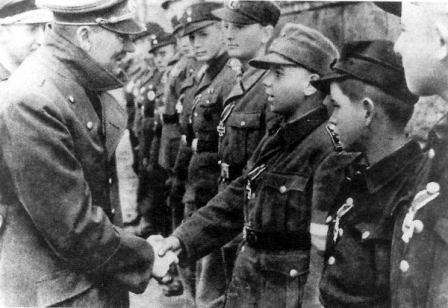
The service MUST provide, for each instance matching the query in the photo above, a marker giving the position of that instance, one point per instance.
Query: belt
(277, 240)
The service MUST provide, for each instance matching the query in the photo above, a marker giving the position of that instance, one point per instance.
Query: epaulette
(421, 199)
(334, 139)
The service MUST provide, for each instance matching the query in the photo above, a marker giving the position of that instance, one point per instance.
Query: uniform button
(418, 226)
(71, 99)
(283, 189)
(189, 19)
(329, 219)
(243, 123)
(195, 114)
(89, 125)
(331, 260)
(243, 248)
(349, 201)
(112, 211)
(293, 273)
(2, 220)
(365, 235)
(431, 153)
(404, 266)
(348, 179)
(432, 188)
(110, 180)
(341, 232)
(207, 102)
(252, 196)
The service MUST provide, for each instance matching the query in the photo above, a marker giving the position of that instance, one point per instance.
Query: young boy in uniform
(371, 107)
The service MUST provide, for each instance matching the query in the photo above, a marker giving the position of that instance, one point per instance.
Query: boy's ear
(369, 108)
(309, 89)
(442, 37)
(267, 33)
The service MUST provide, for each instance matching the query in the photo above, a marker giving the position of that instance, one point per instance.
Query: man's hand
(168, 245)
(162, 262)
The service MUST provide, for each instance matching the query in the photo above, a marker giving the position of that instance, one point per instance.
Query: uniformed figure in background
(155, 217)
(271, 201)
(21, 32)
(248, 27)
(139, 73)
(204, 31)
(419, 276)
(61, 240)
(371, 107)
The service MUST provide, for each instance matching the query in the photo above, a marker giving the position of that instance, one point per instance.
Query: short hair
(398, 111)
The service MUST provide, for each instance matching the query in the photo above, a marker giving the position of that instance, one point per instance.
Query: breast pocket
(376, 242)
(246, 131)
(283, 203)
(207, 114)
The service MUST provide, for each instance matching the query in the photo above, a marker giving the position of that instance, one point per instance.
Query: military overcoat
(58, 135)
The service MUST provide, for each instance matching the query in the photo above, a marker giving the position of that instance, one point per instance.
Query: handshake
(166, 251)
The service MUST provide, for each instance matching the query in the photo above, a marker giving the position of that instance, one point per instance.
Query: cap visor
(232, 16)
(266, 61)
(195, 26)
(129, 27)
(323, 84)
(390, 7)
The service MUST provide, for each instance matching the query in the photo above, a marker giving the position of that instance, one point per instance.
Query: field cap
(198, 16)
(299, 45)
(393, 7)
(152, 29)
(161, 39)
(114, 15)
(249, 12)
(373, 62)
(14, 12)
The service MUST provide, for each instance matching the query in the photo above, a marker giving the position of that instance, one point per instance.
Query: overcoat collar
(87, 72)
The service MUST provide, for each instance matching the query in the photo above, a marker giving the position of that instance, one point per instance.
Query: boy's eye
(278, 72)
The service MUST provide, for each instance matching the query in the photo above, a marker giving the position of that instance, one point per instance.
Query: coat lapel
(114, 123)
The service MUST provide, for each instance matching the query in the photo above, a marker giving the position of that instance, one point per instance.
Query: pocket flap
(286, 182)
(287, 263)
(60, 287)
(245, 120)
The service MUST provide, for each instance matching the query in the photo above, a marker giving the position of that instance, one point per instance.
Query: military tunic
(419, 271)
(243, 123)
(366, 200)
(271, 201)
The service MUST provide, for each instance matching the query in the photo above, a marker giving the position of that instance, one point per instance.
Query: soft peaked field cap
(299, 45)
(373, 62)
(249, 12)
(115, 15)
(198, 16)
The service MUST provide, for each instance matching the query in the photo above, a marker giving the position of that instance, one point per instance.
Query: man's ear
(267, 33)
(369, 108)
(83, 34)
(442, 37)
(309, 89)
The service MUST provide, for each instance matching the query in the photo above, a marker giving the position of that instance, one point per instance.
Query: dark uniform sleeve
(215, 224)
(48, 178)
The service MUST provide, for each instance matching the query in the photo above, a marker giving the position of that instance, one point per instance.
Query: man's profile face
(185, 47)
(162, 56)
(416, 45)
(243, 41)
(347, 119)
(20, 40)
(118, 46)
(207, 42)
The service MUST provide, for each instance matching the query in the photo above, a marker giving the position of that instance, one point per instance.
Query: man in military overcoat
(60, 235)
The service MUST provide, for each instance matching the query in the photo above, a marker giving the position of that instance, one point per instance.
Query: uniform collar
(213, 68)
(381, 173)
(294, 132)
(86, 71)
(248, 80)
